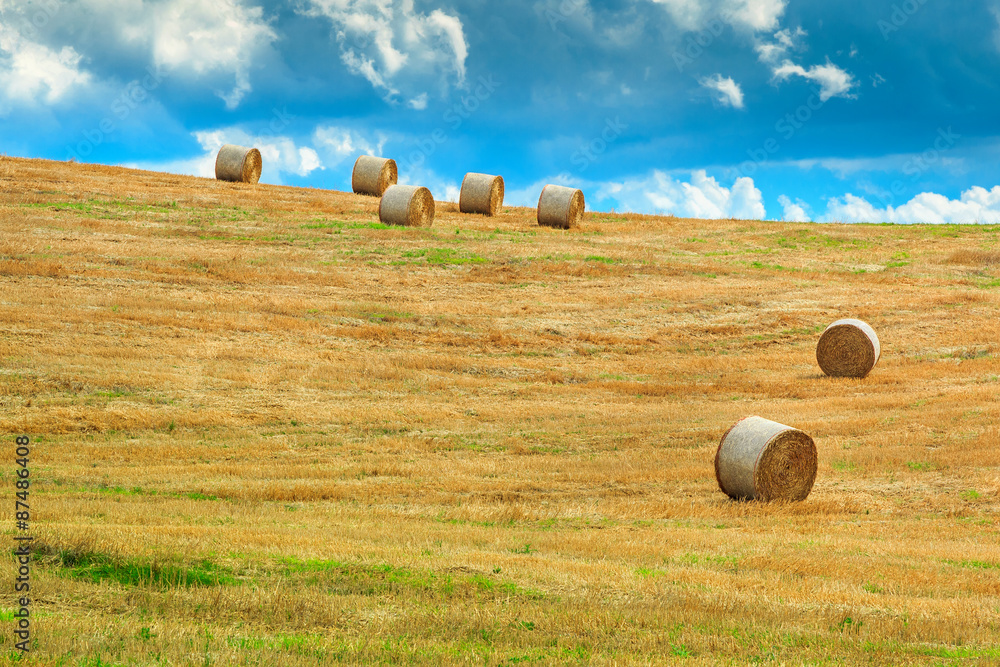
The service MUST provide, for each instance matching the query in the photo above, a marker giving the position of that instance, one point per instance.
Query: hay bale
(407, 205)
(759, 459)
(373, 175)
(238, 164)
(848, 348)
(560, 207)
(481, 193)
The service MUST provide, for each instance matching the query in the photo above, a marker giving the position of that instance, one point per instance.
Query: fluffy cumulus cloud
(31, 73)
(976, 205)
(280, 154)
(340, 143)
(394, 47)
(701, 197)
(752, 15)
(793, 211)
(210, 37)
(212, 43)
(727, 92)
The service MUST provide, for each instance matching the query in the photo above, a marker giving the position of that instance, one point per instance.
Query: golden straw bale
(759, 459)
(848, 348)
(407, 205)
(238, 164)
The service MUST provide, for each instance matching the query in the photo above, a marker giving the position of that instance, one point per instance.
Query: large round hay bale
(373, 175)
(561, 207)
(848, 348)
(238, 164)
(759, 459)
(407, 205)
(481, 193)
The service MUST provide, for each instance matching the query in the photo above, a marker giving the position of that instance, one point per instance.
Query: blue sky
(784, 109)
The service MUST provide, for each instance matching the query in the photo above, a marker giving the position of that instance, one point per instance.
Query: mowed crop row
(269, 430)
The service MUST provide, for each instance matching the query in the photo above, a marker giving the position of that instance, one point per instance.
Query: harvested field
(268, 429)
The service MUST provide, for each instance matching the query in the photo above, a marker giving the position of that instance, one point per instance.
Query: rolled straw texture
(407, 205)
(238, 164)
(759, 459)
(560, 207)
(481, 193)
(373, 175)
(848, 348)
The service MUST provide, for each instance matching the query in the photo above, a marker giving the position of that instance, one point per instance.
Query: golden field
(267, 430)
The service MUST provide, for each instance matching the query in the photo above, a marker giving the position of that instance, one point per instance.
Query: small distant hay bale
(481, 193)
(560, 207)
(407, 205)
(759, 459)
(373, 175)
(238, 164)
(848, 348)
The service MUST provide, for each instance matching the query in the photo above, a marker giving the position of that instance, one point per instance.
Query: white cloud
(753, 15)
(419, 102)
(728, 92)
(833, 81)
(443, 189)
(976, 205)
(280, 155)
(209, 37)
(214, 42)
(784, 41)
(338, 144)
(32, 73)
(793, 211)
(757, 14)
(702, 197)
(393, 46)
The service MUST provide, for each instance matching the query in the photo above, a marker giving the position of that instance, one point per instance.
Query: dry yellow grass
(268, 430)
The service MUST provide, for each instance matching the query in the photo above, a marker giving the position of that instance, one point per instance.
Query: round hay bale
(373, 175)
(759, 459)
(481, 193)
(560, 207)
(407, 205)
(848, 348)
(238, 164)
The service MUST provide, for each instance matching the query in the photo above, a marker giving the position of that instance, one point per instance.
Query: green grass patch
(974, 564)
(138, 572)
(341, 578)
(444, 256)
